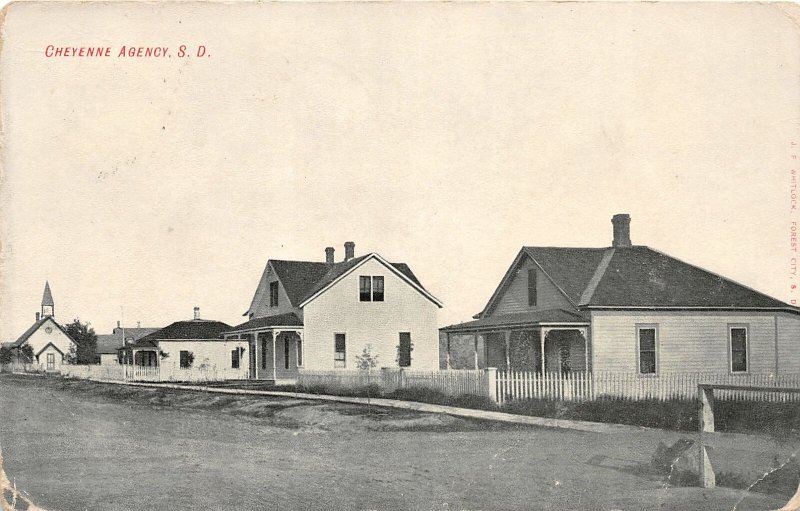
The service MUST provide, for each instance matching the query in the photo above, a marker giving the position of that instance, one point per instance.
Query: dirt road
(74, 449)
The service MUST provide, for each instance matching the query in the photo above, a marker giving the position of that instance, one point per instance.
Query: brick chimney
(329, 255)
(622, 230)
(197, 313)
(349, 250)
(37, 316)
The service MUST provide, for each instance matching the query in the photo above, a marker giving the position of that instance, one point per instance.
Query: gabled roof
(34, 327)
(47, 297)
(191, 329)
(338, 271)
(289, 319)
(47, 346)
(636, 277)
(302, 280)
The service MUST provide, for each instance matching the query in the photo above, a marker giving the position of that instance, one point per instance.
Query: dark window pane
(264, 352)
(286, 353)
(647, 362)
(273, 294)
(647, 339)
(532, 287)
(404, 350)
(365, 289)
(738, 339)
(377, 291)
(339, 351)
(235, 358)
(299, 352)
(739, 361)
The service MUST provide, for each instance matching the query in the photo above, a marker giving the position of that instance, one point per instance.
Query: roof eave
(788, 308)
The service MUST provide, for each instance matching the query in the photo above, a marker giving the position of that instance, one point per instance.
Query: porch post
(275, 335)
(447, 335)
(585, 335)
(475, 348)
(542, 335)
(255, 355)
(508, 348)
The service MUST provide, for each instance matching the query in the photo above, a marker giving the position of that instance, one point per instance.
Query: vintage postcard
(399, 256)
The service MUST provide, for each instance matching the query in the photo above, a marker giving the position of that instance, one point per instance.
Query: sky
(443, 135)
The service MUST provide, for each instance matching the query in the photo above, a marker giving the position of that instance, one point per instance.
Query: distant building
(48, 340)
(321, 315)
(623, 308)
(108, 345)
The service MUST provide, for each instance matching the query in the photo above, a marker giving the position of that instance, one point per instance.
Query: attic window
(273, 294)
(532, 288)
(370, 289)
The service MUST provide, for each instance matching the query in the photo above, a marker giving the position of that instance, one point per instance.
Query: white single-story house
(48, 340)
(624, 308)
(195, 343)
(322, 315)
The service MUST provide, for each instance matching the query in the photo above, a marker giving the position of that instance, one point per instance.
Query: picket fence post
(491, 383)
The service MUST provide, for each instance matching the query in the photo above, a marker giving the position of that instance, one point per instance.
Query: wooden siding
(339, 310)
(788, 344)
(207, 354)
(687, 341)
(514, 298)
(261, 307)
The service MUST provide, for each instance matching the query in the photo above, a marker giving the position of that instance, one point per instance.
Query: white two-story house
(321, 315)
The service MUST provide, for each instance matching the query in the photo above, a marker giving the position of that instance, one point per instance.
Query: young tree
(6, 355)
(366, 360)
(85, 342)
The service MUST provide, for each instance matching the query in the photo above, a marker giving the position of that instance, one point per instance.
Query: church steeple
(47, 301)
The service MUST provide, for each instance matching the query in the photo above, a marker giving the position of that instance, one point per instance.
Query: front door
(51, 361)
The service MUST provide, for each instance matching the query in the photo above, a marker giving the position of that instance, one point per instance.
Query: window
(299, 353)
(339, 351)
(532, 288)
(370, 289)
(263, 352)
(377, 289)
(273, 294)
(185, 359)
(647, 350)
(235, 358)
(404, 350)
(365, 288)
(286, 353)
(738, 342)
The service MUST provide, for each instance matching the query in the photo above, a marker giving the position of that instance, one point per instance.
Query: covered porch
(142, 356)
(275, 347)
(552, 341)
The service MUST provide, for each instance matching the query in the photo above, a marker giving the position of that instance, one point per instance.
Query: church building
(48, 340)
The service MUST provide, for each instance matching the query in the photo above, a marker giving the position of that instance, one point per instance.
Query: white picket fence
(505, 386)
(513, 385)
(453, 382)
(152, 373)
